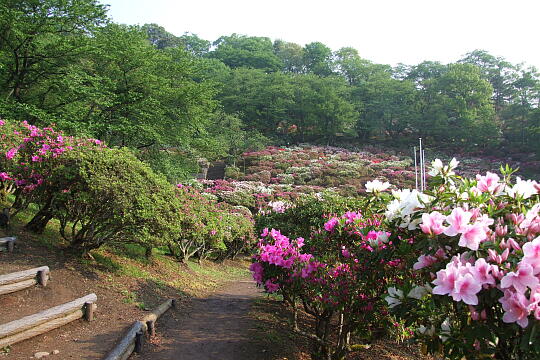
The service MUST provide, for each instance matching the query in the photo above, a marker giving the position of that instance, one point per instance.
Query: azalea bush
(338, 275)
(308, 213)
(209, 228)
(472, 249)
(326, 167)
(108, 196)
(30, 156)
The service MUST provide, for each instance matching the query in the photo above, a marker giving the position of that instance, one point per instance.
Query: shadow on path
(215, 327)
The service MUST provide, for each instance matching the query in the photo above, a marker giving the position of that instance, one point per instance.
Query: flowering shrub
(472, 250)
(30, 156)
(338, 275)
(325, 167)
(106, 196)
(307, 214)
(208, 227)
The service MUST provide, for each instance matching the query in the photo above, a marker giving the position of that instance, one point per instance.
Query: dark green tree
(246, 51)
(40, 41)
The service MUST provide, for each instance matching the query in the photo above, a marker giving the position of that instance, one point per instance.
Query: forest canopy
(173, 99)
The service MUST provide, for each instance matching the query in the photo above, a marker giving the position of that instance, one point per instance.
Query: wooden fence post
(89, 311)
(139, 340)
(151, 326)
(42, 278)
(10, 246)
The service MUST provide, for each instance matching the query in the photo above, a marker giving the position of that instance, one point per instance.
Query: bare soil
(214, 327)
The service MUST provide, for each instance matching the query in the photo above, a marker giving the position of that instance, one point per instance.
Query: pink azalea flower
(2, 123)
(424, 261)
(446, 279)
(4, 176)
(257, 270)
(516, 307)
(432, 224)
(458, 220)
(488, 183)
(465, 289)
(521, 279)
(531, 255)
(472, 236)
(482, 271)
(11, 153)
(270, 286)
(330, 224)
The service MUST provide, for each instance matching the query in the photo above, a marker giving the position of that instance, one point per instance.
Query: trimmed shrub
(110, 196)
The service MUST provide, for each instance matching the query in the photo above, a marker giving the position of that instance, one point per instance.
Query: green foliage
(109, 196)
(308, 214)
(40, 40)
(209, 228)
(246, 51)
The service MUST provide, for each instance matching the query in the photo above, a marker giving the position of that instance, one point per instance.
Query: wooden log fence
(23, 279)
(7, 243)
(47, 320)
(133, 339)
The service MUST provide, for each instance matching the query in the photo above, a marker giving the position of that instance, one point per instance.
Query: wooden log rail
(7, 243)
(42, 322)
(23, 279)
(133, 339)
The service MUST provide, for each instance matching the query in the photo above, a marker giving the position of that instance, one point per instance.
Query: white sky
(383, 31)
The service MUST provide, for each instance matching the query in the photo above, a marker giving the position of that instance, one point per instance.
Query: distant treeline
(173, 99)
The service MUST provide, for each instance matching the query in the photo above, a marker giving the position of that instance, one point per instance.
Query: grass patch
(107, 263)
(135, 271)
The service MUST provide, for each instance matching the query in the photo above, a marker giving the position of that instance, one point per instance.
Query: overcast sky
(383, 31)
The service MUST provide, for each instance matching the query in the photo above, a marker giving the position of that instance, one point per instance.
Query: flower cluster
(342, 272)
(474, 248)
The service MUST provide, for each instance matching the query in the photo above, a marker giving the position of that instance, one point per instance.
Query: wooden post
(10, 246)
(139, 339)
(89, 311)
(42, 277)
(151, 326)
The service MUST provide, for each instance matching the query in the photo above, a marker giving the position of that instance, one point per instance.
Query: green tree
(246, 51)
(291, 55)
(40, 40)
(390, 107)
(318, 59)
(159, 37)
(460, 102)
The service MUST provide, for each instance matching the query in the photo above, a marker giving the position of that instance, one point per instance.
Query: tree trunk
(39, 221)
(148, 252)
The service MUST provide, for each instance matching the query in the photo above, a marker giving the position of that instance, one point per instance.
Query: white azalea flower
(445, 329)
(437, 167)
(394, 298)
(418, 292)
(427, 331)
(377, 186)
(525, 189)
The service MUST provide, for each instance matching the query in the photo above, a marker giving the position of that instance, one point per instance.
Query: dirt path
(216, 327)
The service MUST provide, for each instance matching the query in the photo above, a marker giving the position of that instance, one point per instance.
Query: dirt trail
(216, 327)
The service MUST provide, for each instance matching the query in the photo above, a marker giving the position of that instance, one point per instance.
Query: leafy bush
(308, 214)
(110, 196)
(338, 276)
(208, 227)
